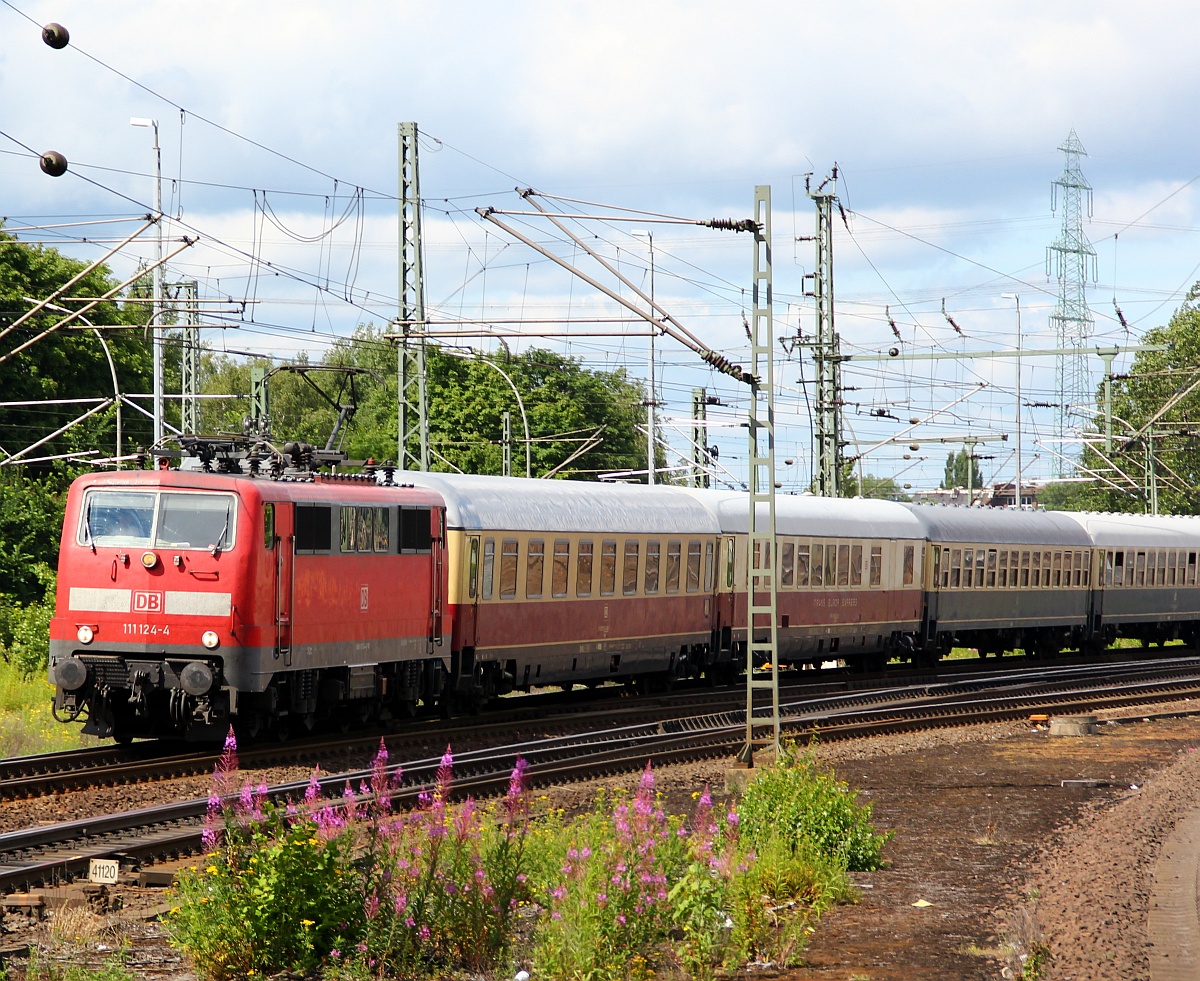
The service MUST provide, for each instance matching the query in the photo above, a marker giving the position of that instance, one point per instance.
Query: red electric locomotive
(187, 600)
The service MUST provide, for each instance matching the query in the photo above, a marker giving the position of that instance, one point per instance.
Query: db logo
(362, 597)
(147, 601)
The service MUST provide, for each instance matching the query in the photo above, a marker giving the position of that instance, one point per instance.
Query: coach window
(990, 582)
(876, 573)
(1161, 579)
(629, 569)
(787, 575)
(583, 570)
(830, 564)
(855, 565)
(673, 554)
(818, 564)
(1002, 562)
(802, 565)
(562, 564)
(910, 564)
(1087, 572)
(945, 568)
(1139, 569)
(489, 562)
(1191, 569)
(1023, 582)
(1151, 567)
(967, 567)
(1055, 570)
(348, 538)
(1035, 578)
(473, 569)
(708, 567)
(268, 526)
(955, 567)
(608, 568)
(1068, 567)
(652, 556)
(693, 565)
(729, 563)
(535, 568)
(508, 568)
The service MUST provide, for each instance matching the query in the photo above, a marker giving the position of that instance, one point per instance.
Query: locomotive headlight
(85, 634)
(210, 639)
(196, 678)
(149, 560)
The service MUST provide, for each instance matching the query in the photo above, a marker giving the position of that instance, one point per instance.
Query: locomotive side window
(562, 564)
(608, 568)
(708, 567)
(652, 558)
(909, 564)
(855, 565)
(802, 565)
(693, 566)
(489, 565)
(349, 535)
(383, 534)
(314, 528)
(629, 569)
(583, 570)
(268, 526)
(818, 564)
(415, 533)
(673, 560)
(535, 567)
(788, 554)
(508, 568)
(366, 529)
(875, 575)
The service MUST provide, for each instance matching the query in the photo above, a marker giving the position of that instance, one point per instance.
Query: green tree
(68, 363)
(1169, 442)
(879, 488)
(959, 467)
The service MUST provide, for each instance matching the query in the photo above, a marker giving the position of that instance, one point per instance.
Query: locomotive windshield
(150, 519)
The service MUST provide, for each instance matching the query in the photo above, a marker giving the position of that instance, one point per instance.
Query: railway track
(57, 853)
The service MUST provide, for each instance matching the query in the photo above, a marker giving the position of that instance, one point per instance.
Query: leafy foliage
(962, 467)
(810, 808)
(69, 363)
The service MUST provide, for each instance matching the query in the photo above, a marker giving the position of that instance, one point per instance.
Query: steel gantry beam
(412, 424)
(762, 620)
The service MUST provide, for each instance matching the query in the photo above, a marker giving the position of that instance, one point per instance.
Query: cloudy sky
(279, 151)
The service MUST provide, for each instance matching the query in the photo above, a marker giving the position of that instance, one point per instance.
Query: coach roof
(947, 523)
(479, 503)
(1140, 530)
(811, 516)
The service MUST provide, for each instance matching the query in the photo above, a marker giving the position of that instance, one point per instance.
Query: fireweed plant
(348, 887)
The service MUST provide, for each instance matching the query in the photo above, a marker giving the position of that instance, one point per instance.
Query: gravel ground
(1004, 855)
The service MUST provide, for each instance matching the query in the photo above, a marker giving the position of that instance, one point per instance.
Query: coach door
(285, 578)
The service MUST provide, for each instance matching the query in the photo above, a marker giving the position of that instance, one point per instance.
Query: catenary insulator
(53, 163)
(57, 36)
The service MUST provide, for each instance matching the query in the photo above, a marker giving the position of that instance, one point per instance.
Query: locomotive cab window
(158, 519)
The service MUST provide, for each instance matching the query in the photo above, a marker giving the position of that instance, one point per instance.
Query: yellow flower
(307, 923)
(212, 870)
